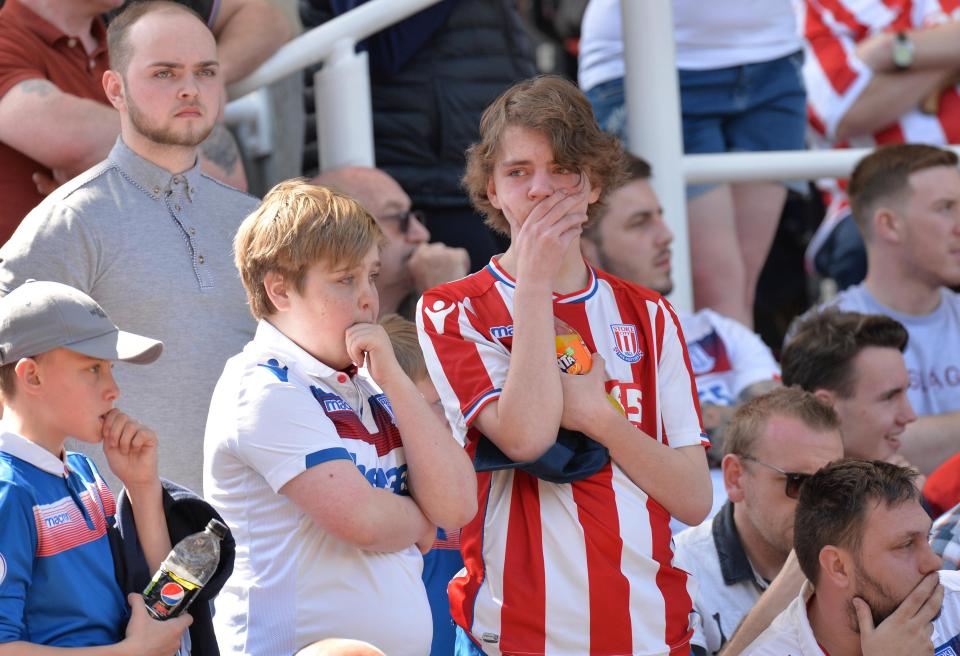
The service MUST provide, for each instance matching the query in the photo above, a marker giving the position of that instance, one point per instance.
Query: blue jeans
(751, 107)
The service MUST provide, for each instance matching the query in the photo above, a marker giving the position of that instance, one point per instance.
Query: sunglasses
(794, 480)
(402, 219)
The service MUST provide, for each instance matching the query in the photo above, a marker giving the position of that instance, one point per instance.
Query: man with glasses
(408, 264)
(773, 444)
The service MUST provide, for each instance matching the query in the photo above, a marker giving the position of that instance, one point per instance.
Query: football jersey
(575, 568)
(276, 412)
(835, 77)
(726, 356)
(57, 581)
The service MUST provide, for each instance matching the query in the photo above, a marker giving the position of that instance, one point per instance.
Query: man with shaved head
(147, 234)
(408, 264)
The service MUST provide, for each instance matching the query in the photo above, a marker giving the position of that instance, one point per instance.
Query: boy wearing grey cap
(57, 583)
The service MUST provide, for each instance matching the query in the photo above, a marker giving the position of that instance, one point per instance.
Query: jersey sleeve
(282, 431)
(751, 359)
(833, 74)
(467, 368)
(679, 404)
(18, 545)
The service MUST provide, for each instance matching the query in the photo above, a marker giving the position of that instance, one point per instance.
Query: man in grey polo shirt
(772, 444)
(149, 236)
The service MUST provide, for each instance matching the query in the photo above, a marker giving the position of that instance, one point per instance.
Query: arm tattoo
(221, 149)
(37, 86)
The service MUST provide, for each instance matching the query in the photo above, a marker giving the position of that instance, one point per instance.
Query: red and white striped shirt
(578, 568)
(835, 77)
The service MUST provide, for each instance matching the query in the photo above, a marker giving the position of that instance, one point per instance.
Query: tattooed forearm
(37, 87)
(220, 148)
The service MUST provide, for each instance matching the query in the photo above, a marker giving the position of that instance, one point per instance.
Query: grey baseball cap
(39, 316)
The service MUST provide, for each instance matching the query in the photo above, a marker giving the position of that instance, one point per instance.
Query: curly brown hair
(556, 108)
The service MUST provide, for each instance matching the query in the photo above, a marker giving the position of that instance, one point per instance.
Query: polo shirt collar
(155, 180)
(734, 564)
(270, 338)
(16, 10)
(22, 448)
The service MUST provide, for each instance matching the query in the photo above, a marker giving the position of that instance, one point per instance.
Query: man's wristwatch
(902, 51)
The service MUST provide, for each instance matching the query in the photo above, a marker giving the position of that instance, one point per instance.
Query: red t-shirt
(32, 48)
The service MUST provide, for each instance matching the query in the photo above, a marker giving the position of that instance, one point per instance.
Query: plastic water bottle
(184, 572)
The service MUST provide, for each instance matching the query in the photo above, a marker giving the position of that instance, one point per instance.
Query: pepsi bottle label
(168, 595)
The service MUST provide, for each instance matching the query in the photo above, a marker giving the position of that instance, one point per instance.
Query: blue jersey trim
(326, 455)
(950, 648)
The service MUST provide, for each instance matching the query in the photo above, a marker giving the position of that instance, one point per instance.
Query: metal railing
(345, 127)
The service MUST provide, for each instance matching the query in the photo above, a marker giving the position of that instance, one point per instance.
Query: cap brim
(119, 345)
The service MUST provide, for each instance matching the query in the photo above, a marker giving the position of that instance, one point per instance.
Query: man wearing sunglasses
(408, 264)
(773, 444)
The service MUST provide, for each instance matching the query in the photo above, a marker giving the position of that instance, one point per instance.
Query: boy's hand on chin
(370, 340)
(130, 448)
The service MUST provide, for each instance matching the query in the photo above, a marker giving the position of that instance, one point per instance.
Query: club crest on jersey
(626, 343)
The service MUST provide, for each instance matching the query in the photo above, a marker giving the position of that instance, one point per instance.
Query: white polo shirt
(728, 585)
(790, 632)
(277, 411)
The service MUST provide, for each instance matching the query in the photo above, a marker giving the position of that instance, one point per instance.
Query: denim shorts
(751, 107)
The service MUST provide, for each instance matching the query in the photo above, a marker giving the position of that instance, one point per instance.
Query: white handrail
(773, 166)
(315, 45)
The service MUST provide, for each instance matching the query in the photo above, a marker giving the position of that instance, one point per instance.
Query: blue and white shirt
(276, 412)
(57, 582)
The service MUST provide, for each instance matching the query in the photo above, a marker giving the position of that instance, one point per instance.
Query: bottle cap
(218, 528)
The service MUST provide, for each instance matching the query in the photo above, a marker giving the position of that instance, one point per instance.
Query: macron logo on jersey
(501, 332)
(438, 313)
(336, 405)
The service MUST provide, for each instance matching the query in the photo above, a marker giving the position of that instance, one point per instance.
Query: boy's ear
(276, 287)
(28, 376)
(492, 193)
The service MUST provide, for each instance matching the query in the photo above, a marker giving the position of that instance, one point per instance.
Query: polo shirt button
(341, 378)
(71, 42)
(177, 207)
(193, 231)
(156, 190)
(200, 259)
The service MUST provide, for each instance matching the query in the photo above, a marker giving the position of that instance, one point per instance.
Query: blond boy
(57, 584)
(326, 483)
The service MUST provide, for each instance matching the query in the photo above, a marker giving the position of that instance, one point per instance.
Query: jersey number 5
(630, 397)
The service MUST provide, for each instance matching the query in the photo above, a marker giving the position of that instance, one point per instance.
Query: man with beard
(631, 240)
(774, 443)
(860, 535)
(147, 234)
(408, 264)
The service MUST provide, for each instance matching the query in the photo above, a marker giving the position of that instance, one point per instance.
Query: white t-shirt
(933, 350)
(708, 35)
(276, 412)
(728, 584)
(726, 356)
(790, 632)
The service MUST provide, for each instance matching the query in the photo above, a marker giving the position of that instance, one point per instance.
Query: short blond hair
(406, 346)
(296, 226)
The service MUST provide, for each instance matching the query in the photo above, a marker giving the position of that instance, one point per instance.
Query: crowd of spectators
(357, 372)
